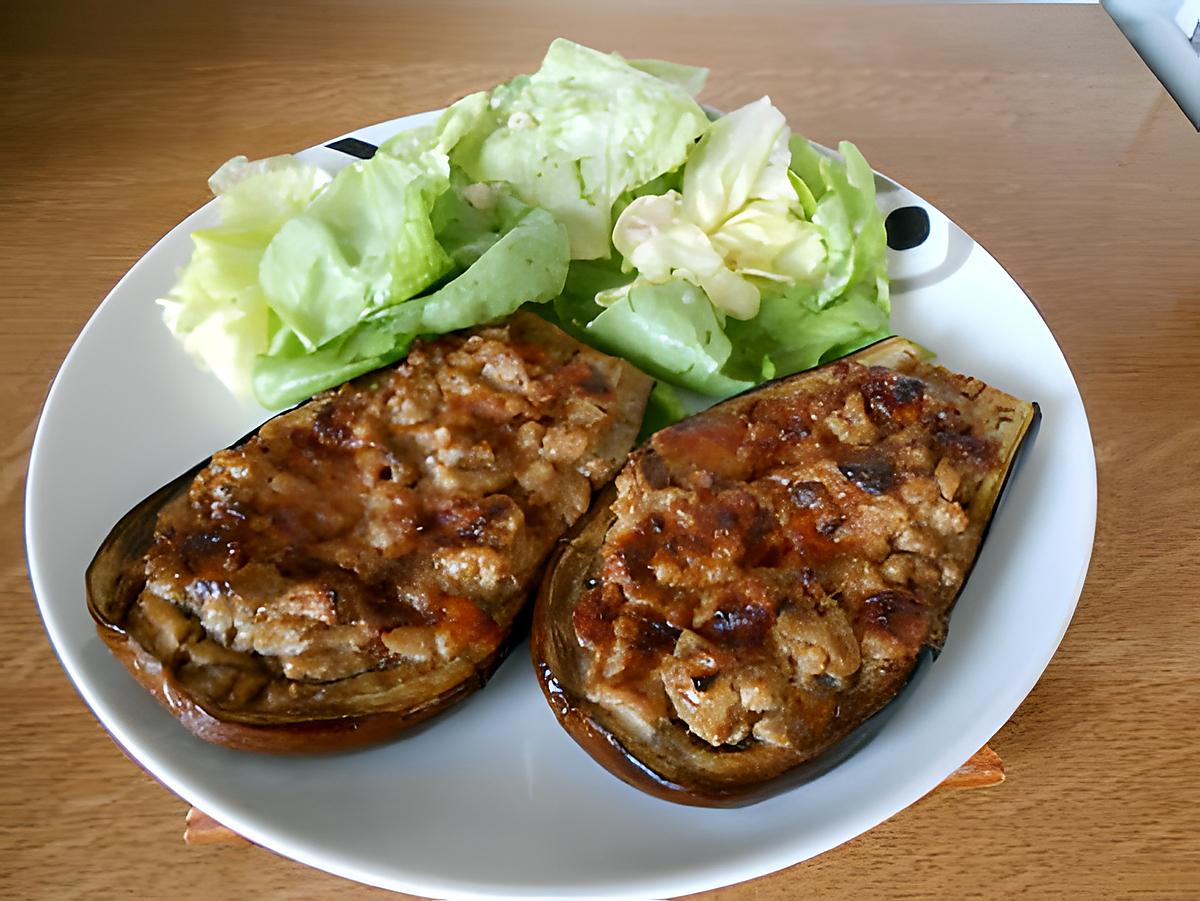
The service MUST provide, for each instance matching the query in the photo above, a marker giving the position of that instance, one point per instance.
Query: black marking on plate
(907, 227)
(354, 147)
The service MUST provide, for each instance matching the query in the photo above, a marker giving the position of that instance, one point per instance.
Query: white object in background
(1153, 27)
(1188, 18)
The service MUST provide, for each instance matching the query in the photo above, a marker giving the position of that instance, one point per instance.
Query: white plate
(494, 799)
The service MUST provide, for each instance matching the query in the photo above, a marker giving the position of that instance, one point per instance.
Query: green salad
(713, 253)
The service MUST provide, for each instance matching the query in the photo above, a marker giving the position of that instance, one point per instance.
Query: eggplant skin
(114, 579)
(313, 736)
(364, 561)
(672, 761)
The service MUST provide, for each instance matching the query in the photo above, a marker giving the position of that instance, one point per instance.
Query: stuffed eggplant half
(763, 577)
(357, 563)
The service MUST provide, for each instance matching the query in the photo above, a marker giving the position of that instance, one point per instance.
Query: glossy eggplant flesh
(358, 563)
(764, 577)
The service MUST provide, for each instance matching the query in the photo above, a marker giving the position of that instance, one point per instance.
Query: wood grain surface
(1036, 128)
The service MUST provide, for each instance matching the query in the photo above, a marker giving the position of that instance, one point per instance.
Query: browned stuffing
(395, 523)
(770, 554)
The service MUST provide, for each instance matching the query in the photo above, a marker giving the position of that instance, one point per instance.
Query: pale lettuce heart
(744, 156)
(658, 240)
(738, 218)
(764, 239)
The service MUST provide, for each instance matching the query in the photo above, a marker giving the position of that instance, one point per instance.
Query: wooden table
(1037, 129)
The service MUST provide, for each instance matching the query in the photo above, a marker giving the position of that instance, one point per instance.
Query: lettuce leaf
(669, 331)
(575, 135)
(737, 225)
(664, 407)
(527, 264)
(791, 334)
(690, 78)
(850, 221)
(365, 242)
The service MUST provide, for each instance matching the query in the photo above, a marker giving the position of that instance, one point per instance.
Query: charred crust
(872, 472)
